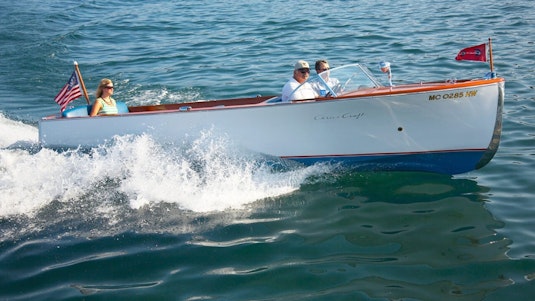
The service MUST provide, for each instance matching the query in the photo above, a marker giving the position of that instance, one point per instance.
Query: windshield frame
(341, 80)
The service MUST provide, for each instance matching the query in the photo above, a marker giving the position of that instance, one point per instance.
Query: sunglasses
(108, 87)
(304, 70)
(323, 69)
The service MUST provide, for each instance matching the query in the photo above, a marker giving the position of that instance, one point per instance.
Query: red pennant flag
(474, 53)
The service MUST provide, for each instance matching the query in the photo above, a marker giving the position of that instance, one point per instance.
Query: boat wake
(132, 175)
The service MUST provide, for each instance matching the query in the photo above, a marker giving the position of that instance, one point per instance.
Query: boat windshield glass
(342, 80)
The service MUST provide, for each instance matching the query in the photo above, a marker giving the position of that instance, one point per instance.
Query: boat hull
(446, 128)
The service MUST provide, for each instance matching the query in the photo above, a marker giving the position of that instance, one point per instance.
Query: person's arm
(286, 91)
(96, 108)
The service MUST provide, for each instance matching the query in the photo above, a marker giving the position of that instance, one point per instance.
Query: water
(136, 220)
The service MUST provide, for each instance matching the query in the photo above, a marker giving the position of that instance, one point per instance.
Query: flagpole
(81, 82)
(490, 55)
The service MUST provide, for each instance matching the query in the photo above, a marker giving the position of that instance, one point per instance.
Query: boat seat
(79, 111)
(122, 108)
(83, 111)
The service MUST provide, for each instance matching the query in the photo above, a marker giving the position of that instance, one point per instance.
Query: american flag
(69, 92)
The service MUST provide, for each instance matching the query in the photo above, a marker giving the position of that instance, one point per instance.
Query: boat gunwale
(419, 88)
(233, 103)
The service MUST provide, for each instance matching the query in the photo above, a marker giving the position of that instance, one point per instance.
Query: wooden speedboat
(445, 127)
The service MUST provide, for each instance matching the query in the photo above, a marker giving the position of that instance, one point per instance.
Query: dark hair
(319, 63)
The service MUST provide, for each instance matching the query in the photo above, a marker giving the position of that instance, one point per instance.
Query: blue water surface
(136, 220)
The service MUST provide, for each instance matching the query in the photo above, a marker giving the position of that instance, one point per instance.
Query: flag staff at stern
(81, 82)
(477, 53)
(490, 57)
(71, 90)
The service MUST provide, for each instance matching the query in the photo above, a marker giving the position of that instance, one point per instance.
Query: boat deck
(270, 100)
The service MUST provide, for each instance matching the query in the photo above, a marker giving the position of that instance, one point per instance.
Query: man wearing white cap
(296, 87)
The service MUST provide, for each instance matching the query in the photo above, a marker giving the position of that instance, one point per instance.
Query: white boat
(445, 127)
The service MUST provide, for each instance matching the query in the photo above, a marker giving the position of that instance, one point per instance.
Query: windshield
(342, 80)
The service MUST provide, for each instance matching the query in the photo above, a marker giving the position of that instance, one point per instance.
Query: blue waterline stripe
(445, 161)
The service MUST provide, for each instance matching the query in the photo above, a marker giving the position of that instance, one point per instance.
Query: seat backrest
(122, 108)
(84, 111)
(79, 111)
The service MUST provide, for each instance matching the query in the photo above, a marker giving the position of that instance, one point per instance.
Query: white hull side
(370, 125)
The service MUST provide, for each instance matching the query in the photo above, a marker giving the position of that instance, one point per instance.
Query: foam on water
(207, 174)
(15, 131)
(141, 95)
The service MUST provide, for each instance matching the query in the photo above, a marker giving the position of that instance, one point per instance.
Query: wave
(203, 175)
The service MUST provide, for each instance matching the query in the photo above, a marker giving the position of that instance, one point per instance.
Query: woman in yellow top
(104, 104)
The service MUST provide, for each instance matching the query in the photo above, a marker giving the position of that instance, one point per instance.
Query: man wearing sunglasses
(296, 87)
(322, 69)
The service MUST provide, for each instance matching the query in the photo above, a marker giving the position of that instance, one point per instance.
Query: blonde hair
(103, 83)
